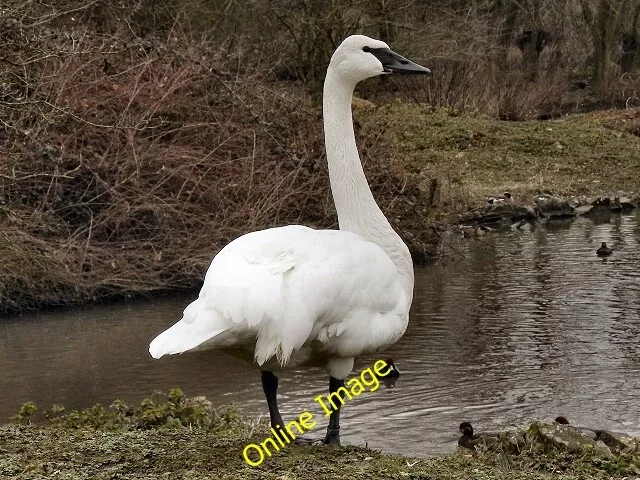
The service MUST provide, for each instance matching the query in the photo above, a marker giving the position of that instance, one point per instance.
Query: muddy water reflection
(530, 324)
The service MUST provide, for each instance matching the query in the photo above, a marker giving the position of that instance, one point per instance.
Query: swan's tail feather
(197, 326)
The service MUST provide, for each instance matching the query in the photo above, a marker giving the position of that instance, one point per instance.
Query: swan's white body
(301, 296)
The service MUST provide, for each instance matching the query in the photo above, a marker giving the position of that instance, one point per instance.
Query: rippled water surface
(516, 326)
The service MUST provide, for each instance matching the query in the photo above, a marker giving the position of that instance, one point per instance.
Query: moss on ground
(33, 452)
(174, 437)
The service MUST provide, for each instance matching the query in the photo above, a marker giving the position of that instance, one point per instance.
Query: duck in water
(393, 370)
(470, 440)
(392, 376)
(604, 251)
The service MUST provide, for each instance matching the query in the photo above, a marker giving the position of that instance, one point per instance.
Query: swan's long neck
(357, 210)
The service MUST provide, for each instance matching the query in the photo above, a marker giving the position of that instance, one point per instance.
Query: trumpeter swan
(294, 296)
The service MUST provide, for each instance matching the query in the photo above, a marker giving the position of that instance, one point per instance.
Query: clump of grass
(546, 447)
(27, 410)
(170, 410)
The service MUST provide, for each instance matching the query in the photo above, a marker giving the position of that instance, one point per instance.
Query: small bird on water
(390, 379)
(393, 370)
(604, 251)
(470, 440)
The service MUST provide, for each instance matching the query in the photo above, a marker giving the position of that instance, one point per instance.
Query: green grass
(474, 157)
(37, 452)
(175, 437)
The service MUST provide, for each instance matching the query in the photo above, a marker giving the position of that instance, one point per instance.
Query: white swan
(293, 296)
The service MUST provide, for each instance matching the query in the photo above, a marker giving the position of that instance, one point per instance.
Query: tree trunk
(603, 22)
(635, 35)
(601, 58)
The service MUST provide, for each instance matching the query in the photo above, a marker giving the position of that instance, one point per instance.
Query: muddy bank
(112, 227)
(501, 211)
(170, 436)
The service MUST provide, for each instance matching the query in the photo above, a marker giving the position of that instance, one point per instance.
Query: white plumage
(301, 296)
(287, 287)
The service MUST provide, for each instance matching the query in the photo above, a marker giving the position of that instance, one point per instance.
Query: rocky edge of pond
(500, 211)
(172, 436)
(571, 438)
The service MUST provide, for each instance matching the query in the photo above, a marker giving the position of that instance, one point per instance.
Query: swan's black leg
(333, 430)
(270, 388)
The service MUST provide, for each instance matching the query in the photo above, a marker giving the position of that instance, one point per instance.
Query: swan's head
(359, 57)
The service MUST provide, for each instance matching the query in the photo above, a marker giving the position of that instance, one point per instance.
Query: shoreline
(475, 222)
(500, 213)
(189, 438)
(497, 217)
(471, 224)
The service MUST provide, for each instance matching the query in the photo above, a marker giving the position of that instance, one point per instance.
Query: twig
(33, 175)
(258, 120)
(66, 12)
(76, 117)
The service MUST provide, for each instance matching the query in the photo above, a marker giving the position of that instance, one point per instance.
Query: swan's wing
(284, 287)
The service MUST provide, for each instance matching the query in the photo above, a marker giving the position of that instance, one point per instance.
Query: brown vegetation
(126, 164)
(137, 138)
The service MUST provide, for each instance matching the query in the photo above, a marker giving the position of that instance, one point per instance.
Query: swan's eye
(365, 49)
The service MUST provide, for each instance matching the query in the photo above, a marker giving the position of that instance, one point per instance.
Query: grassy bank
(474, 157)
(187, 439)
(40, 452)
(117, 227)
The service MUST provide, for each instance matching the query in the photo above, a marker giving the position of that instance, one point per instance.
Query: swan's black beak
(394, 63)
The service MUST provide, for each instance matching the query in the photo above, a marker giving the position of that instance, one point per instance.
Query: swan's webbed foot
(332, 437)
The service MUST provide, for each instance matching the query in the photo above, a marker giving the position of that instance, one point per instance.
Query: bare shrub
(127, 165)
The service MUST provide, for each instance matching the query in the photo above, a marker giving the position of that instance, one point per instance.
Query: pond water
(516, 326)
